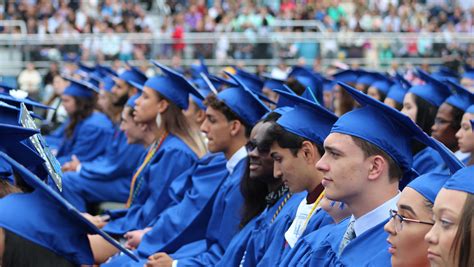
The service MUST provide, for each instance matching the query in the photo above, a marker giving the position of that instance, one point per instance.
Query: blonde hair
(174, 121)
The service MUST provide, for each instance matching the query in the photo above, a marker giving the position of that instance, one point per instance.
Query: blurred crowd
(254, 18)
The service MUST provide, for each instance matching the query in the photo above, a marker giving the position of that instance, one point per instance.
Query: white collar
(375, 216)
(235, 159)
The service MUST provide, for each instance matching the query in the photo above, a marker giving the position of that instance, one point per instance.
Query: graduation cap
(368, 77)
(307, 119)
(328, 84)
(79, 88)
(132, 99)
(468, 73)
(108, 83)
(12, 141)
(399, 89)
(85, 68)
(273, 83)
(390, 131)
(462, 180)
(346, 76)
(308, 78)
(8, 95)
(196, 70)
(461, 98)
(133, 74)
(243, 102)
(137, 85)
(103, 70)
(220, 82)
(204, 88)
(252, 81)
(434, 91)
(428, 185)
(172, 85)
(48, 220)
(382, 83)
(470, 109)
(445, 74)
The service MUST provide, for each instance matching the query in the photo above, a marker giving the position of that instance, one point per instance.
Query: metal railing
(16, 49)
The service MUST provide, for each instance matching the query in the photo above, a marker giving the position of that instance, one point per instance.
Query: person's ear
(377, 165)
(308, 152)
(163, 105)
(236, 127)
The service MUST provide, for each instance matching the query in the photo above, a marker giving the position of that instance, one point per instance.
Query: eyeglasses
(399, 219)
(262, 149)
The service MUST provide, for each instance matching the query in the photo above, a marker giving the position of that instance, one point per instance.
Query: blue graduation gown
(55, 138)
(301, 253)
(253, 229)
(170, 231)
(263, 235)
(89, 140)
(171, 159)
(361, 251)
(223, 224)
(277, 247)
(106, 178)
(426, 160)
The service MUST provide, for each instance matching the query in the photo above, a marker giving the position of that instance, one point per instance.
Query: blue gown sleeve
(171, 231)
(117, 163)
(90, 143)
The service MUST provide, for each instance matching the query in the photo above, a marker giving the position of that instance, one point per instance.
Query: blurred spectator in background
(29, 80)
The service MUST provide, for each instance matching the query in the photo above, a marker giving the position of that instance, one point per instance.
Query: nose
(434, 127)
(389, 228)
(253, 153)
(321, 165)
(277, 171)
(458, 133)
(431, 237)
(204, 127)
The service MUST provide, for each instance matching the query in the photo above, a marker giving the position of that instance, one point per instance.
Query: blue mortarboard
(367, 77)
(468, 73)
(137, 85)
(273, 83)
(132, 99)
(328, 84)
(5, 88)
(382, 83)
(284, 101)
(80, 88)
(308, 78)
(133, 74)
(172, 85)
(105, 70)
(204, 88)
(446, 74)
(399, 89)
(94, 79)
(393, 132)
(462, 180)
(8, 97)
(12, 138)
(346, 76)
(108, 83)
(461, 98)
(243, 102)
(85, 68)
(429, 185)
(196, 70)
(470, 109)
(307, 119)
(434, 91)
(220, 82)
(252, 81)
(50, 221)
